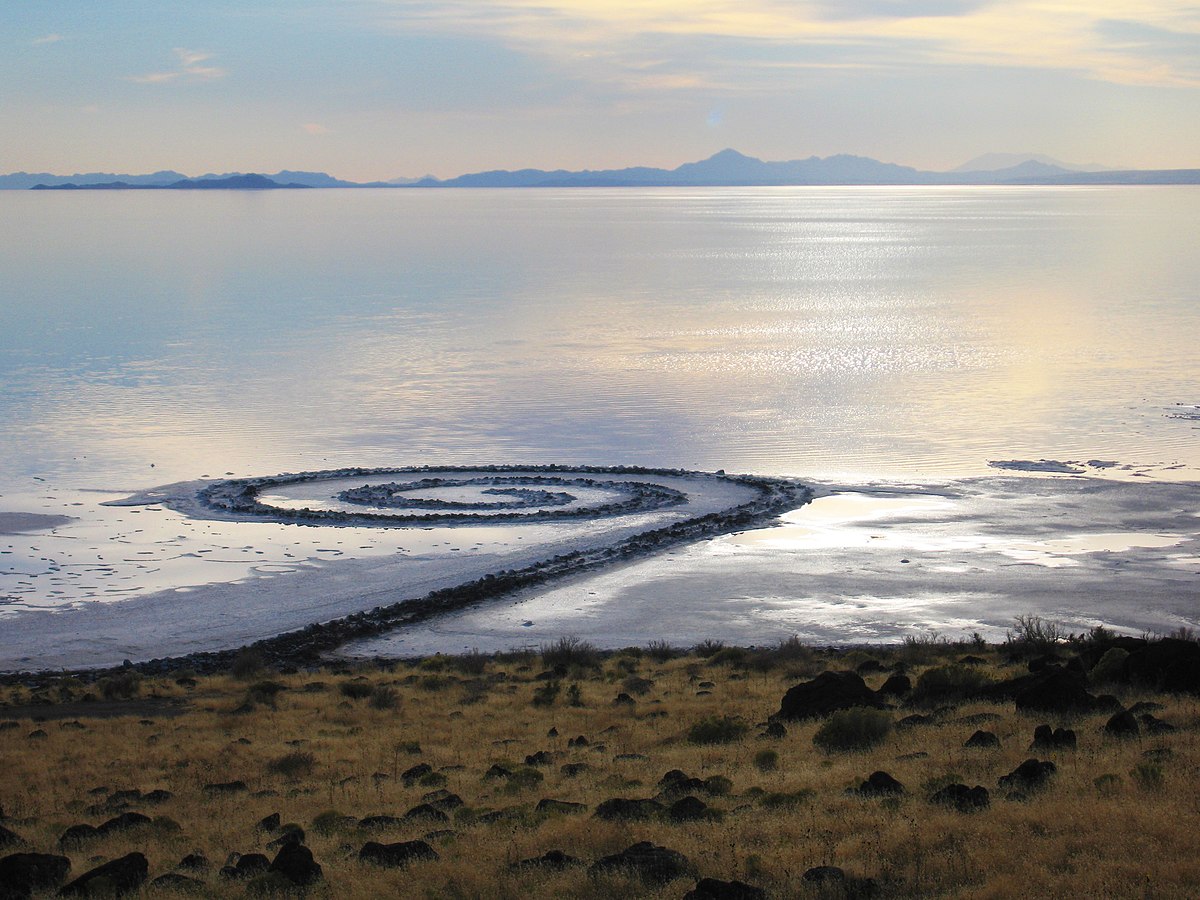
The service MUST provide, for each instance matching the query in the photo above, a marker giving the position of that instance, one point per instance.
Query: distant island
(729, 168)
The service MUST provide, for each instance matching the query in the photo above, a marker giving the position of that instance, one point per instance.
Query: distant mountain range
(725, 169)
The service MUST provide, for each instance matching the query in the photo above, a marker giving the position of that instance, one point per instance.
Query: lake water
(829, 331)
(837, 333)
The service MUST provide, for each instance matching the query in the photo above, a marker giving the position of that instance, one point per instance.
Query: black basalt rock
(117, 878)
(396, 855)
(652, 864)
(827, 693)
(715, 889)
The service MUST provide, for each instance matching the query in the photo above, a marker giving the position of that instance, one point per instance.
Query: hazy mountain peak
(994, 162)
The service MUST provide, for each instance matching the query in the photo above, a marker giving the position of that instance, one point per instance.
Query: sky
(378, 89)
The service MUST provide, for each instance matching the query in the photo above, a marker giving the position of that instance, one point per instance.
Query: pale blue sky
(370, 89)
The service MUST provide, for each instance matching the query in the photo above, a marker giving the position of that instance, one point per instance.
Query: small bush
(708, 647)
(124, 686)
(637, 686)
(787, 799)
(1148, 776)
(766, 760)
(661, 651)
(329, 822)
(546, 694)
(574, 696)
(264, 692)
(717, 730)
(247, 665)
(853, 729)
(1110, 668)
(1033, 635)
(384, 698)
(473, 663)
(728, 656)
(570, 651)
(356, 690)
(293, 765)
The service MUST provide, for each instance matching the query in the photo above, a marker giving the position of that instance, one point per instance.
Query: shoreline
(307, 644)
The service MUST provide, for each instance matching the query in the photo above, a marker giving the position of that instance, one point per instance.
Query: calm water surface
(831, 331)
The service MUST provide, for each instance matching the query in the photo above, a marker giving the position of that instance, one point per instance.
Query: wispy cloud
(48, 39)
(616, 39)
(314, 128)
(190, 69)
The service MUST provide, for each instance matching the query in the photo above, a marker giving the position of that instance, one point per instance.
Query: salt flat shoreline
(357, 598)
(449, 604)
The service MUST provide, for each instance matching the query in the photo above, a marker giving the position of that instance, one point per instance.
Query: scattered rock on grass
(619, 808)
(23, 873)
(1122, 724)
(983, 740)
(880, 784)
(827, 693)
(295, 863)
(173, 881)
(116, 878)
(1029, 775)
(394, 855)
(715, 889)
(551, 860)
(652, 864)
(548, 805)
(1058, 739)
(963, 798)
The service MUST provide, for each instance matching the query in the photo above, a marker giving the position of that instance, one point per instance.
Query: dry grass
(311, 751)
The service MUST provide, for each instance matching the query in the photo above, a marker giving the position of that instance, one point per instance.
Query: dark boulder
(824, 875)
(564, 807)
(247, 866)
(268, 823)
(880, 784)
(412, 774)
(116, 878)
(896, 686)
(1169, 665)
(196, 862)
(541, 758)
(77, 835)
(573, 770)
(715, 889)
(295, 863)
(774, 730)
(372, 823)
(550, 861)
(426, 812)
(225, 788)
(688, 809)
(623, 699)
(1155, 725)
(394, 855)
(983, 740)
(173, 881)
(619, 808)
(9, 838)
(23, 873)
(1122, 725)
(124, 822)
(653, 865)
(1029, 775)
(1058, 739)
(827, 693)
(496, 771)
(913, 721)
(964, 799)
(291, 833)
(1055, 690)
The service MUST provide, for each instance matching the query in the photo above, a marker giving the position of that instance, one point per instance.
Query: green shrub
(247, 665)
(383, 698)
(574, 696)
(661, 651)
(125, 686)
(1148, 776)
(356, 690)
(787, 799)
(729, 656)
(708, 647)
(766, 760)
(948, 684)
(293, 765)
(546, 694)
(853, 729)
(1110, 668)
(717, 730)
(570, 651)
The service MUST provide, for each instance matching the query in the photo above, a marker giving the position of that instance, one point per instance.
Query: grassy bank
(476, 744)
